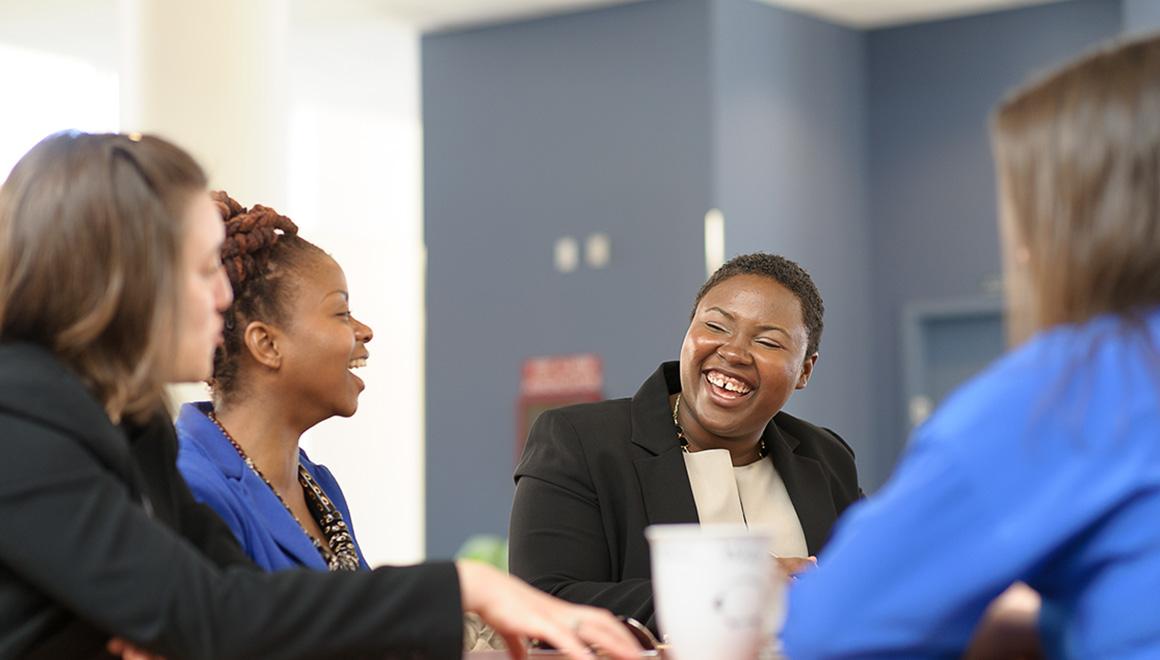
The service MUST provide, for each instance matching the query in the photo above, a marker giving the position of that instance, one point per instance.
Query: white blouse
(753, 494)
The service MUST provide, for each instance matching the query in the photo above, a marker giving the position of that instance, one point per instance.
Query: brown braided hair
(262, 255)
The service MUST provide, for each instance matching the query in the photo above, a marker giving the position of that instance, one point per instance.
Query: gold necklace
(684, 439)
(339, 551)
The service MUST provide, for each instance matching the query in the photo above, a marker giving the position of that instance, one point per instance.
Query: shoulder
(830, 450)
(209, 484)
(570, 438)
(1055, 370)
(1092, 381)
(581, 428)
(588, 420)
(815, 439)
(34, 449)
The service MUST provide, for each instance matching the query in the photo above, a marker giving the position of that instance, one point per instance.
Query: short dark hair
(786, 273)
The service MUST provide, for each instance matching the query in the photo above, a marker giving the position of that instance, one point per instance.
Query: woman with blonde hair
(111, 284)
(1045, 468)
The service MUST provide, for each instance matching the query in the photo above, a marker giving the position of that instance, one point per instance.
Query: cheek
(197, 306)
(697, 346)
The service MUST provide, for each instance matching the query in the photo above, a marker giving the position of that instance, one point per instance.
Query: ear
(807, 370)
(261, 342)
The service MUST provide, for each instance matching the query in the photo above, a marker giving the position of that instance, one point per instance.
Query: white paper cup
(716, 590)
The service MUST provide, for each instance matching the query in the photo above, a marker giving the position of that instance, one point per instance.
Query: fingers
(794, 565)
(600, 629)
(516, 611)
(126, 651)
(515, 645)
(587, 627)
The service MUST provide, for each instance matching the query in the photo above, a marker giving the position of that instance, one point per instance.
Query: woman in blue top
(1044, 469)
(285, 364)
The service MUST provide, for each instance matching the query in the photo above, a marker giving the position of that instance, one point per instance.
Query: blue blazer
(218, 477)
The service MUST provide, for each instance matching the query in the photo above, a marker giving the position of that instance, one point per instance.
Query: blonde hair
(90, 231)
(1078, 160)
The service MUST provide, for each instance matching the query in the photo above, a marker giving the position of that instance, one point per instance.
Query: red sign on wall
(554, 381)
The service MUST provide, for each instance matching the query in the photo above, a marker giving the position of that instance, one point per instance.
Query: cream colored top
(753, 494)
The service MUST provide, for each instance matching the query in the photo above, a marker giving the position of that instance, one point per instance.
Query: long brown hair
(1078, 159)
(90, 235)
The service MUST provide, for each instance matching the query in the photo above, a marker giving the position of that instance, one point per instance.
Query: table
(535, 653)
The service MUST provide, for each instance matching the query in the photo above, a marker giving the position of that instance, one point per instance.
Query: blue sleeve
(909, 571)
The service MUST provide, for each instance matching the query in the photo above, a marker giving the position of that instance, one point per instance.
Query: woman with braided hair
(285, 364)
(111, 284)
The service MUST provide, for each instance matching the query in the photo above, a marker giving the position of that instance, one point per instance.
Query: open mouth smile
(727, 386)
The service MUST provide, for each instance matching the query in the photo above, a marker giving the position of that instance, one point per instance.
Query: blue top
(1045, 468)
(218, 477)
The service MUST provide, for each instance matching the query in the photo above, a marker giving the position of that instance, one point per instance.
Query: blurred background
(514, 179)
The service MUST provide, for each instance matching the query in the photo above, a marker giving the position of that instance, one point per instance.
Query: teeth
(727, 383)
(358, 363)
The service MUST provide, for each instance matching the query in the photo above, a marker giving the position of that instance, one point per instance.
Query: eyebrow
(344, 294)
(760, 328)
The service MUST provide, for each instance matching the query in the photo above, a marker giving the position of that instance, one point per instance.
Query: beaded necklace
(684, 440)
(339, 551)
(762, 452)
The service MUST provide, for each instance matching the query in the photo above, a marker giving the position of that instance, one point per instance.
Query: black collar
(36, 386)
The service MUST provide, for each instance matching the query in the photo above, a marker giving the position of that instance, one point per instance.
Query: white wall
(58, 70)
(355, 190)
(353, 185)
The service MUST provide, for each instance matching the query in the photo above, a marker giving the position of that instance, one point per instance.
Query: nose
(225, 293)
(735, 350)
(362, 331)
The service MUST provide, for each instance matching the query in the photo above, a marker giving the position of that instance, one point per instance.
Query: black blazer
(593, 476)
(99, 536)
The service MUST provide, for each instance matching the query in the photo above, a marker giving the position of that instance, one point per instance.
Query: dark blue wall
(565, 126)
(789, 175)
(931, 184)
(1141, 16)
(862, 155)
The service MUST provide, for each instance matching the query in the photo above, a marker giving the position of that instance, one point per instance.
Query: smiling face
(321, 342)
(743, 356)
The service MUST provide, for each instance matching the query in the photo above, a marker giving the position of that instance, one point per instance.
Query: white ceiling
(437, 14)
(882, 13)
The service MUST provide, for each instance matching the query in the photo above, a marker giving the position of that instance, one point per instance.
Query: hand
(127, 651)
(792, 566)
(1010, 626)
(518, 612)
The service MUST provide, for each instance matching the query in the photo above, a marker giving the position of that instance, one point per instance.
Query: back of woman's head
(263, 257)
(90, 229)
(1078, 158)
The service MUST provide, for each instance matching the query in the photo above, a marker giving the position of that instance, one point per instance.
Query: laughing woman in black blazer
(703, 440)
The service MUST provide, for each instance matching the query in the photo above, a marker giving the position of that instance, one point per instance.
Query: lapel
(664, 482)
(268, 517)
(277, 521)
(805, 482)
